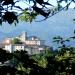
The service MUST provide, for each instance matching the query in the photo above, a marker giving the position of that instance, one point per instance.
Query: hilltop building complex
(33, 45)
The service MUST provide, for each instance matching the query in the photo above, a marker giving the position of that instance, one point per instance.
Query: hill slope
(60, 24)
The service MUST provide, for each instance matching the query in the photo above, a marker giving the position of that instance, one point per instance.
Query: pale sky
(53, 2)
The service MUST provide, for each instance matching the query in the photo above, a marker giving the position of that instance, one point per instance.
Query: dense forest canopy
(29, 13)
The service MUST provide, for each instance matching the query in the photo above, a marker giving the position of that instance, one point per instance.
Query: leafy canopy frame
(29, 14)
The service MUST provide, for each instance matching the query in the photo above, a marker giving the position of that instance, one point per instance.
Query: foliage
(48, 63)
(45, 8)
(16, 41)
(60, 62)
(4, 55)
(10, 17)
(28, 16)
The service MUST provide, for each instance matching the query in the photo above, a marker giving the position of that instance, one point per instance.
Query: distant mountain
(2, 35)
(60, 24)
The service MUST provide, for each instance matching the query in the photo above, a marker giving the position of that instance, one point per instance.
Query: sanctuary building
(33, 44)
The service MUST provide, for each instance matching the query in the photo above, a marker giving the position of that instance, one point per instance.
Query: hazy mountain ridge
(60, 24)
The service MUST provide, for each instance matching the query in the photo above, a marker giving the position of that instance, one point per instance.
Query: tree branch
(55, 12)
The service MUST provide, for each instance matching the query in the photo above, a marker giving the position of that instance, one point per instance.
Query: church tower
(24, 36)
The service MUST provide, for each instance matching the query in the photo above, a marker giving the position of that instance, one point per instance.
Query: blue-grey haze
(60, 24)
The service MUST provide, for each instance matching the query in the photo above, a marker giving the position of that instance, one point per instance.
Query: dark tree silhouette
(7, 13)
(4, 56)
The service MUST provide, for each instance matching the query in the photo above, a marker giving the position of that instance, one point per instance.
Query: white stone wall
(30, 50)
(34, 42)
(8, 48)
(18, 48)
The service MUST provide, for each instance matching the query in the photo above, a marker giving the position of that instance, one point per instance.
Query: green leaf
(28, 16)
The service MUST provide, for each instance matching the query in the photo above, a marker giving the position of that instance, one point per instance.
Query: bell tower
(24, 36)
